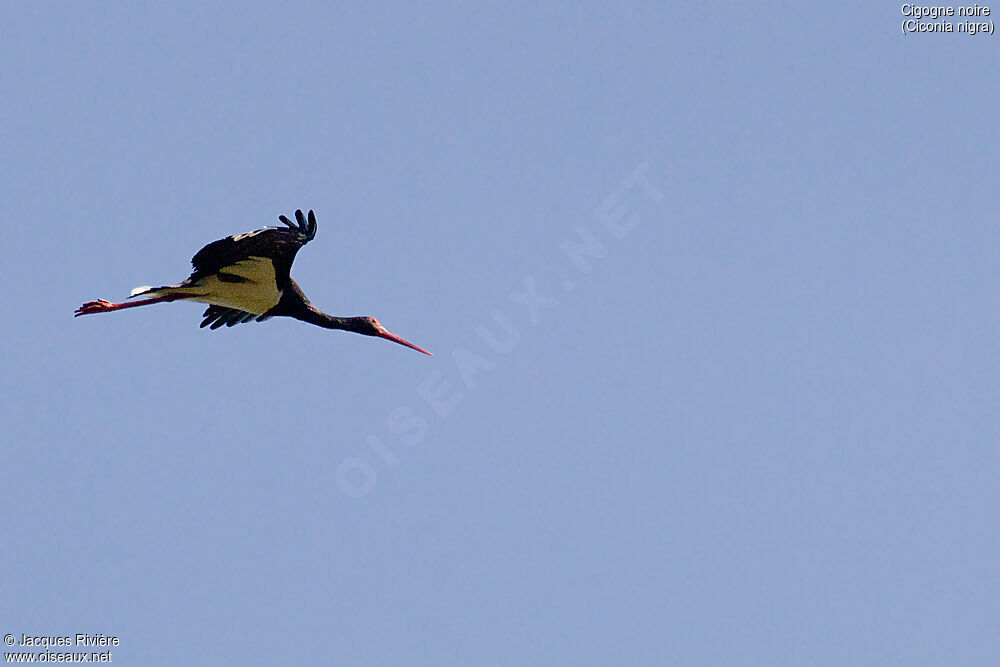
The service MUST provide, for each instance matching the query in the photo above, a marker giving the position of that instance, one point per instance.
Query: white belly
(257, 293)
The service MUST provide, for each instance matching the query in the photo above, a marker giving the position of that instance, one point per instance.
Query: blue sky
(712, 292)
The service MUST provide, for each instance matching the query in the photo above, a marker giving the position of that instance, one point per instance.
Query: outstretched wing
(217, 316)
(279, 244)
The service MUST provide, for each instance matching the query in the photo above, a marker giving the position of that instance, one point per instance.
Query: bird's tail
(152, 292)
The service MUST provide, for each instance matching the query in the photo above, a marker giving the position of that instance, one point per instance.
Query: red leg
(102, 306)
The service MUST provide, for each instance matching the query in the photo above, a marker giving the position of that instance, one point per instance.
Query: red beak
(396, 339)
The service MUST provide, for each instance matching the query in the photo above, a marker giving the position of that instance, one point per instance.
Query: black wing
(216, 316)
(277, 243)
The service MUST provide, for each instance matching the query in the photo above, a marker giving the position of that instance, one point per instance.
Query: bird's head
(369, 326)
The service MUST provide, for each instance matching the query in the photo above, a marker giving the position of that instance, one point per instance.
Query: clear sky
(712, 290)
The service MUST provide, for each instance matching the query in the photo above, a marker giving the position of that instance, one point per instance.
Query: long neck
(309, 313)
(295, 304)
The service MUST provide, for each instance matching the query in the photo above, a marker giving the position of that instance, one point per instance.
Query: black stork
(245, 278)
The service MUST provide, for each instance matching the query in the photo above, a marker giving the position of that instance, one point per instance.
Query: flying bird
(245, 278)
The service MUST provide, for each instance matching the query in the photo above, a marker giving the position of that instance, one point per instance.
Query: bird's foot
(91, 307)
